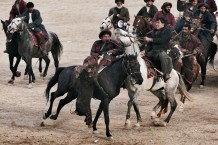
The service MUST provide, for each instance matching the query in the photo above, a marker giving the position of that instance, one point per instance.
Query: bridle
(140, 29)
(109, 26)
(127, 68)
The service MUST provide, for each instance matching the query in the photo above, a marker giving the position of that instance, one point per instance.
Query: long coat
(187, 8)
(168, 16)
(148, 14)
(123, 15)
(212, 5)
(15, 12)
(37, 20)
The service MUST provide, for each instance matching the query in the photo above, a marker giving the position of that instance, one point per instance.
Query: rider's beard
(185, 35)
(166, 11)
(119, 7)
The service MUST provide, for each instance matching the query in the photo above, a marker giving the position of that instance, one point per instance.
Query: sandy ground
(77, 24)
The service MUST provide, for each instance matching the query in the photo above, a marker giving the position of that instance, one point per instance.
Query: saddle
(39, 38)
(151, 68)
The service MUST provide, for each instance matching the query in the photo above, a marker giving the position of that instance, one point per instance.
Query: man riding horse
(157, 46)
(148, 11)
(208, 24)
(18, 8)
(34, 21)
(192, 49)
(119, 13)
(104, 49)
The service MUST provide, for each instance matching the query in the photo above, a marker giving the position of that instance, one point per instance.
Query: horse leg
(16, 64)
(40, 65)
(54, 95)
(106, 117)
(47, 62)
(136, 108)
(56, 61)
(70, 96)
(130, 103)
(173, 105)
(161, 97)
(98, 113)
(11, 60)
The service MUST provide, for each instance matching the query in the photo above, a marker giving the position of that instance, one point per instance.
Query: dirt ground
(77, 24)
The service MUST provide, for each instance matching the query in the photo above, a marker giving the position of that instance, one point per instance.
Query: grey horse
(28, 50)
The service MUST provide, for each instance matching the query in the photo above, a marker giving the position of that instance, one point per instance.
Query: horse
(209, 51)
(28, 50)
(106, 87)
(12, 52)
(183, 64)
(12, 48)
(164, 91)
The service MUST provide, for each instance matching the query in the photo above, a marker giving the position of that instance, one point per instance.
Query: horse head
(141, 26)
(131, 67)
(195, 26)
(106, 23)
(175, 51)
(16, 25)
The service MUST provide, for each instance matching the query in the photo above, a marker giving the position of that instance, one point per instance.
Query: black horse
(106, 87)
(28, 50)
(12, 48)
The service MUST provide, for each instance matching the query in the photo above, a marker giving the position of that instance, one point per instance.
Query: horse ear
(2, 21)
(22, 18)
(134, 15)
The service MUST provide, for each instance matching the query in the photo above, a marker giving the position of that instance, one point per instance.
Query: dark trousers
(160, 57)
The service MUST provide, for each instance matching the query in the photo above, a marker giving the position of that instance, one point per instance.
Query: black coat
(143, 12)
(37, 20)
(161, 39)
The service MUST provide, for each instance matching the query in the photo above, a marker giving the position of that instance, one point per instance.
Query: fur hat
(120, 1)
(29, 5)
(102, 33)
(166, 4)
(148, 0)
(203, 5)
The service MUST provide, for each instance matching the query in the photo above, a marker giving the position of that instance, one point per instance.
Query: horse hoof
(42, 124)
(201, 86)
(53, 117)
(30, 86)
(90, 126)
(153, 115)
(110, 138)
(95, 132)
(41, 74)
(18, 74)
(25, 77)
(137, 124)
(10, 82)
(181, 108)
(163, 124)
(127, 123)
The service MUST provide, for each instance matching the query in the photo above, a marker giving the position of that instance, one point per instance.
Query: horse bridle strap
(126, 71)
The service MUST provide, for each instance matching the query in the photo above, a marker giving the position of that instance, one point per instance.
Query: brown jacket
(15, 12)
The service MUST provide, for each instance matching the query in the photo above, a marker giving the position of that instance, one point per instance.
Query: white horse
(164, 91)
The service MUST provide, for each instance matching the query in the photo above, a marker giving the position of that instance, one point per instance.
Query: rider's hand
(31, 26)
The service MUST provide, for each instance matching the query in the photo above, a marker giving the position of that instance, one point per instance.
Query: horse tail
(52, 82)
(182, 88)
(212, 53)
(57, 47)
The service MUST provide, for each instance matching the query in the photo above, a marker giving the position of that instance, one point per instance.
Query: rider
(189, 43)
(34, 21)
(165, 13)
(148, 10)
(208, 22)
(212, 7)
(120, 13)
(18, 8)
(189, 9)
(104, 49)
(157, 46)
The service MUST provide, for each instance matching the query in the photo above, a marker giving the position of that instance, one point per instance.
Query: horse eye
(108, 21)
